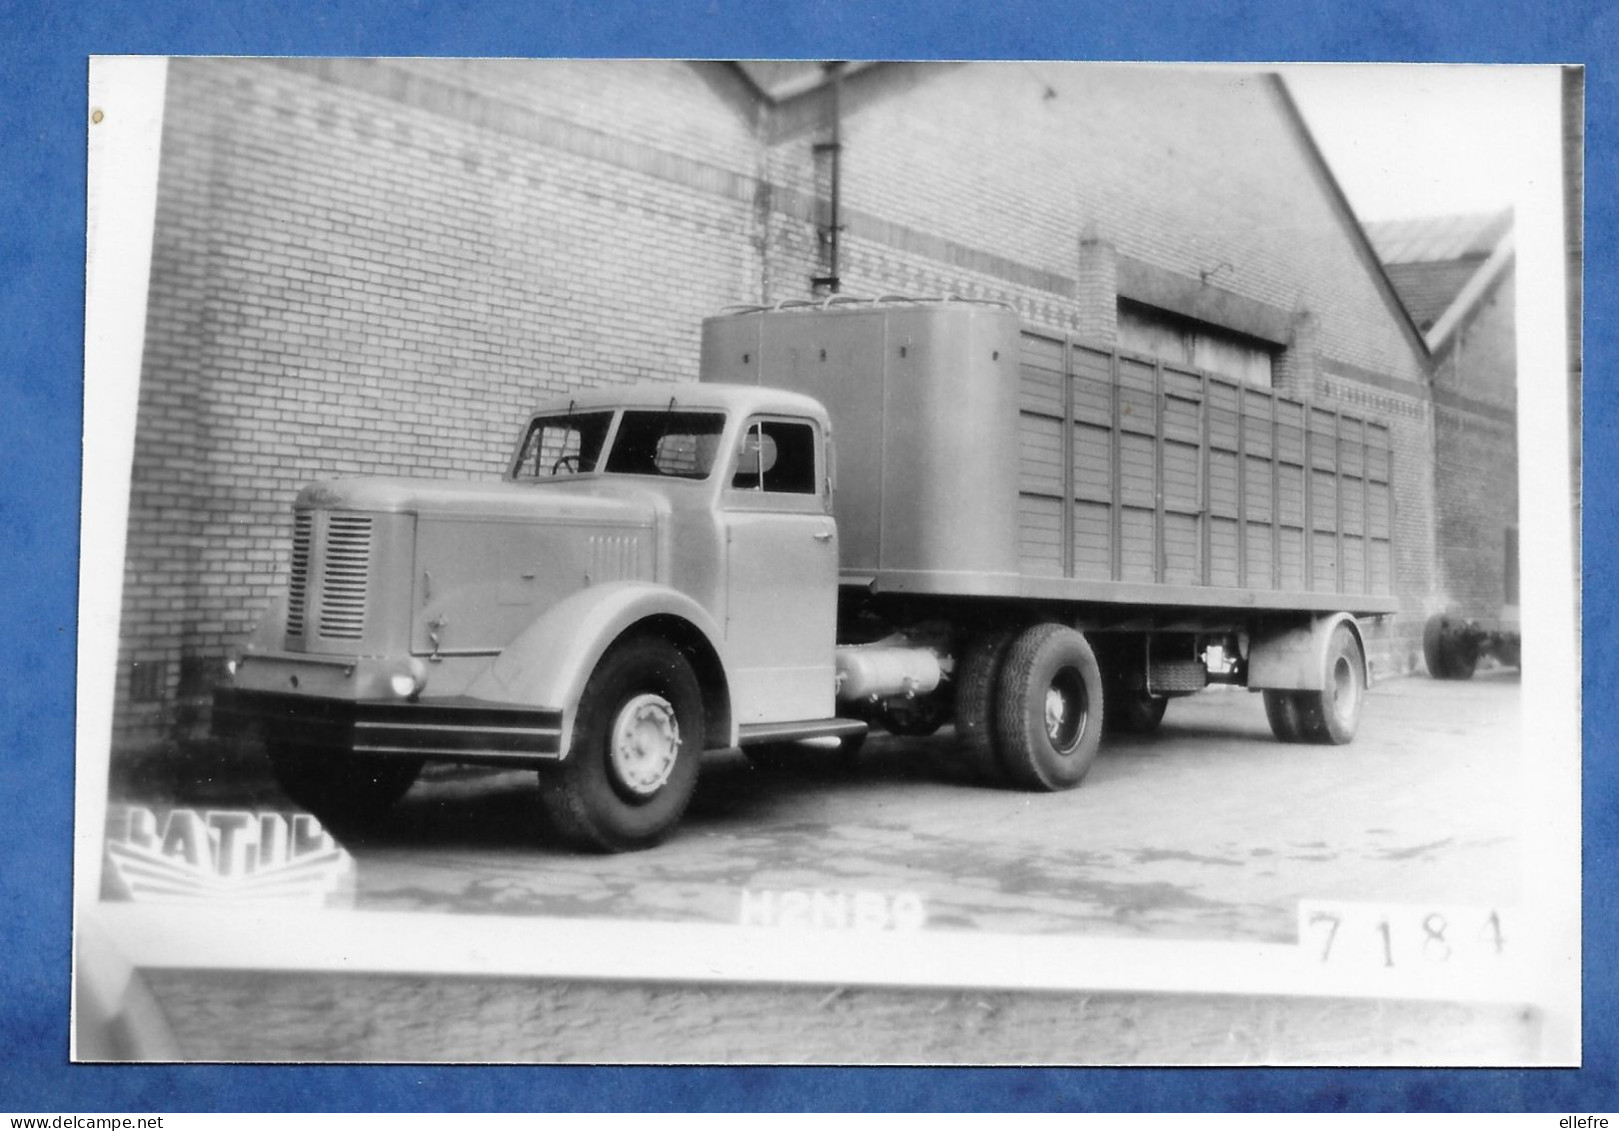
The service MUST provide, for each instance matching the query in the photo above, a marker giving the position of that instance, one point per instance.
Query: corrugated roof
(1431, 258)
(1435, 239)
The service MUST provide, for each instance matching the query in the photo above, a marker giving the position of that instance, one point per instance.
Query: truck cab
(655, 574)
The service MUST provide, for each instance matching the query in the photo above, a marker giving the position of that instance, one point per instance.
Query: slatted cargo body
(1138, 472)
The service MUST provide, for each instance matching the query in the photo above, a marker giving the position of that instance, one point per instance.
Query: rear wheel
(1049, 715)
(637, 744)
(347, 793)
(1332, 714)
(976, 676)
(1284, 715)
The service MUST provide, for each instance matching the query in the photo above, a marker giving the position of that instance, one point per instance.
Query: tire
(1463, 657)
(976, 677)
(1434, 651)
(1135, 712)
(1332, 714)
(1284, 715)
(347, 793)
(1050, 709)
(1449, 654)
(637, 747)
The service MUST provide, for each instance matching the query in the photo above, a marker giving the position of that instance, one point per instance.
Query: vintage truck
(1032, 536)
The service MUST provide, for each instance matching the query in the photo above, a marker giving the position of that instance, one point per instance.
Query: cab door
(781, 555)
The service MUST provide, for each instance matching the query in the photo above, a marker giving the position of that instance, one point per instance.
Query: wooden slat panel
(1377, 511)
(1256, 423)
(1354, 564)
(1290, 556)
(1353, 517)
(1093, 364)
(1223, 487)
(1040, 390)
(1290, 494)
(1040, 535)
(1183, 549)
(1093, 463)
(1324, 555)
(1324, 439)
(1182, 478)
(1223, 552)
(1093, 540)
(1377, 465)
(1223, 422)
(1042, 351)
(1183, 419)
(1352, 447)
(1136, 544)
(1040, 455)
(1261, 561)
(1324, 500)
(1258, 494)
(1093, 401)
(1183, 383)
(1136, 374)
(1290, 431)
(1138, 471)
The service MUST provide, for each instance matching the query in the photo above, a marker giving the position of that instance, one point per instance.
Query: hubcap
(1066, 711)
(645, 743)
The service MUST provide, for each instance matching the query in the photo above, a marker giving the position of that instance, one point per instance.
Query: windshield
(666, 443)
(661, 442)
(567, 444)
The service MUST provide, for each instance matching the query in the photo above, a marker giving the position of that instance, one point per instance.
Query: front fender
(1292, 656)
(549, 663)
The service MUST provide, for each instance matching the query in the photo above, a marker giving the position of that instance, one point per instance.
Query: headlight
(410, 681)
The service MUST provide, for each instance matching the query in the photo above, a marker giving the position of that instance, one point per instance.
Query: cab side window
(776, 456)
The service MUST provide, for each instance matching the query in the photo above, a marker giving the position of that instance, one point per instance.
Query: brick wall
(1476, 456)
(375, 268)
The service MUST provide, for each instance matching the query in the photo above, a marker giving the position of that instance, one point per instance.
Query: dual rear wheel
(1029, 707)
(1330, 715)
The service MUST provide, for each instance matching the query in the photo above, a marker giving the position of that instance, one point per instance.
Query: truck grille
(347, 570)
(338, 550)
(298, 590)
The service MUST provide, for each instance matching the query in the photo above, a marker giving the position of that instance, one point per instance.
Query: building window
(1200, 345)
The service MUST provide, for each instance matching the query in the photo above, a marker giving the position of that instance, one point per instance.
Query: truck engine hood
(485, 559)
(592, 498)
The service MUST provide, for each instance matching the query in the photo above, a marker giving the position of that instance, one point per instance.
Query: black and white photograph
(815, 562)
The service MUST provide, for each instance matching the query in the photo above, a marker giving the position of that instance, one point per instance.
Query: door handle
(822, 536)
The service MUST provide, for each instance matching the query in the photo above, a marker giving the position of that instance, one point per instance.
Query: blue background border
(42, 139)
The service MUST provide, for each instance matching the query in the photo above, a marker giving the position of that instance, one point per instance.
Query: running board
(753, 734)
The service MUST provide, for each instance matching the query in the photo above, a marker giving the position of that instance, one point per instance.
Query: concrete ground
(1209, 830)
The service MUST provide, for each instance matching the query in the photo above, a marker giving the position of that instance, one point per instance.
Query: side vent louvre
(298, 590)
(347, 561)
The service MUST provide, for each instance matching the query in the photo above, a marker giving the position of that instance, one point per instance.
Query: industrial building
(378, 267)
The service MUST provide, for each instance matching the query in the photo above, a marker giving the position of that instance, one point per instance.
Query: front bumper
(457, 729)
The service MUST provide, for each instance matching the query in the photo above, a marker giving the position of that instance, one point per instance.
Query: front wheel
(347, 793)
(1049, 710)
(637, 745)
